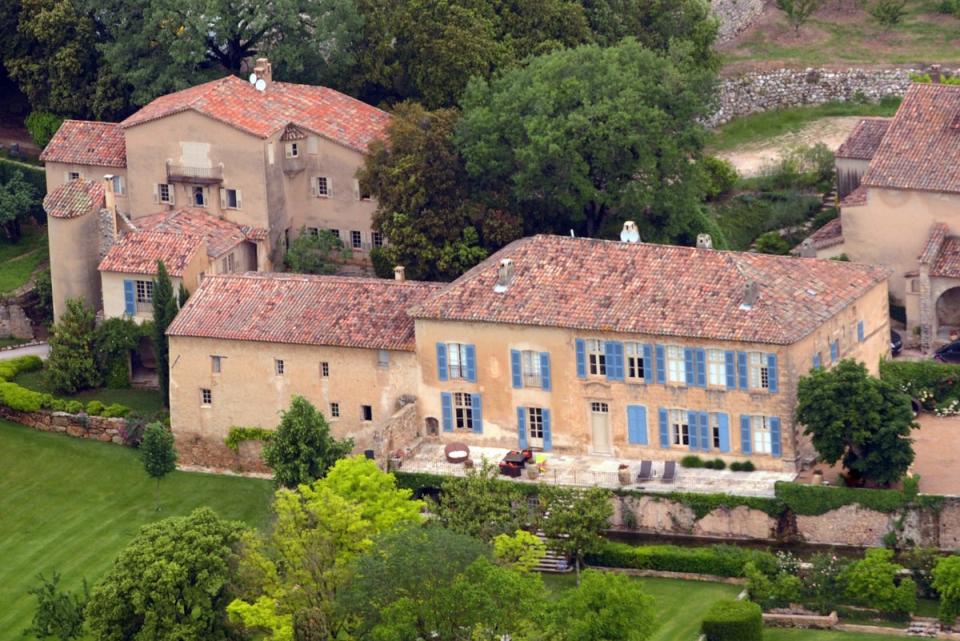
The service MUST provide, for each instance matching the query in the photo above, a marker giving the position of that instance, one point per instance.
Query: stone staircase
(552, 561)
(927, 628)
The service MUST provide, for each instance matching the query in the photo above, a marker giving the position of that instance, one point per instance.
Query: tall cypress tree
(164, 311)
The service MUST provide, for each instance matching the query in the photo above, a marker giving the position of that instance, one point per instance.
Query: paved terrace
(588, 471)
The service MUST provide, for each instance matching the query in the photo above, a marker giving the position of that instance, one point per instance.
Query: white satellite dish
(261, 85)
(630, 233)
(253, 79)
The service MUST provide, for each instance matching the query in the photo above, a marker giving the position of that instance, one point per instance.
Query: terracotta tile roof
(597, 285)
(304, 310)
(931, 248)
(235, 102)
(75, 198)
(83, 142)
(921, 149)
(856, 198)
(221, 236)
(948, 260)
(829, 235)
(138, 253)
(863, 141)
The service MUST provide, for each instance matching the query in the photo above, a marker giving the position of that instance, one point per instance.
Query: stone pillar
(926, 310)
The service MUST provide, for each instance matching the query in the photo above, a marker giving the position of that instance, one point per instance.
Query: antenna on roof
(253, 79)
(261, 85)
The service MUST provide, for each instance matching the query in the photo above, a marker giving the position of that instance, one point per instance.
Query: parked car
(896, 343)
(949, 353)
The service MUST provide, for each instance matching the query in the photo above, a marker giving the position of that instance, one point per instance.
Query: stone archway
(948, 310)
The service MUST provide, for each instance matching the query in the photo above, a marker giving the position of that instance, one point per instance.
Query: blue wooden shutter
(742, 369)
(477, 413)
(516, 368)
(613, 351)
(816, 361)
(648, 363)
(731, 370)
(471, 358)
(860, 333)
(775, 436)
(705, 440)
(522, 427)
(693, 419)
(664, 431)
(545, 370)
(834, 351)
(581, 359)
(772, 382)
(129, 298)
(547, 434)
(446, 408)
(744, 434)
(661, 365)
(636, 424)
(723, 423)
(700, 356)
(441, 361)
(689, 373)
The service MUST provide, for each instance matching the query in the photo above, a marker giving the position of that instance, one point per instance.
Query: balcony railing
(198, 175)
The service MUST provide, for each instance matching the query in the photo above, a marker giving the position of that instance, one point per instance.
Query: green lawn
(146, 402)
(785, 634)
(71, 505)
(770, 124)
(19, 260)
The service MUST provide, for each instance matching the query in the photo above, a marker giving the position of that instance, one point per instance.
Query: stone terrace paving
(586, 470)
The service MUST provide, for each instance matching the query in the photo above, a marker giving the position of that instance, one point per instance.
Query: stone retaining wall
(817, 621)
(14, 322)
(735, 16)
(663, 574)
(77, 425)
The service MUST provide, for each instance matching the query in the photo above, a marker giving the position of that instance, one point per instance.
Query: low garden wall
(196, 450)
(98, 428)
(735, 16)
(817, 621)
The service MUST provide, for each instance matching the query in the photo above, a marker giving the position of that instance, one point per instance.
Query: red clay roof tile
(863, 141)
(221, 236)
(138, 253)
(83, 142)
(75, 198)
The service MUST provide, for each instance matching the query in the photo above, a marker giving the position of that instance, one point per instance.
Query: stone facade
(735, 16)
(193, 450)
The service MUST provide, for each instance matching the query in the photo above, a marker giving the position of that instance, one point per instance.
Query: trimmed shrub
(721, 176)
(94, 408)
(920, 378)
(73, 407)
(731, 620)
(718, 560)
(19, 398)
(115, 410)
(11, 368)
(692, 461)
(814, 500)
(742, 466)
(715, 464)
(42, 125)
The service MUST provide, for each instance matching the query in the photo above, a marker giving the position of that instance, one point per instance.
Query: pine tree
(164, 311)
(158, 454)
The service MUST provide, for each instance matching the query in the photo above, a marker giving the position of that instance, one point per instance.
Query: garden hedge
(717, 560)
(814, 500)
(940, 379)
(22, 399)
(730, 620)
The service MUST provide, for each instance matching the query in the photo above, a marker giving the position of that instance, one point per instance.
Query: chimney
(399, 273)
(630, 233)
(263, 70)
(935, 73)
(504, 275)
(704, 241)
(109, 198)
(807, 250)
(749, 294)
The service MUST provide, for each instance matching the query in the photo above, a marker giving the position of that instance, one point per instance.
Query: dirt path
(751, 158)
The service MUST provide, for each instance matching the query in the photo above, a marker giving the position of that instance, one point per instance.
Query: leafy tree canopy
(17, 202)
(313, 253)
(522, 551)
(71, 366)
(59, 614)
(874, 581)
(605, 606)
(479, 504)
(859, 420)
(157, 453)
(946, 581)
(575, 520)
(302, 449)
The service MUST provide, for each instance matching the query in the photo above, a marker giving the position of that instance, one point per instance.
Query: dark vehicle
(949, 353)
(896, 343)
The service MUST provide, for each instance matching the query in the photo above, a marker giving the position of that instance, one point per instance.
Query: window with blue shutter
(664, 429)
(636, 424)
(775, 436)
(547, 434)
(723, 429)
(471, 363)
(129, 298)
(648, 374)
(545, 370)
(817, 362)
(613, 350)
(477, 413)
(661, 365)
(441, 361)
(446, 409)
(700, 359)
(731, 370)
(744, 434)
(522, 427)
(693, 420)
(772, 376)
(690, 373)
(860, 332)
(834, 351)
(581, 358)
(742, 370)
(705, 436)
(516, 368)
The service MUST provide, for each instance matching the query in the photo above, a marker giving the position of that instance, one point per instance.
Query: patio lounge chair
(669, 472)
(646, 472)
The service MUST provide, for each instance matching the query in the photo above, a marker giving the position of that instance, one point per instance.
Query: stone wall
(735, 16)
(758, 91)
(14, 322)
(108, 430)
(195, 451)
(817, 621)
(654, 515)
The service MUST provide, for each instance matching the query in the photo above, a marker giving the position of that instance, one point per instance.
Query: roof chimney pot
(807, 250)
(750, 294)
(263, 70)
(504, 275)
(935, 73)
(399, 273)
(704, 241)
(630, 233)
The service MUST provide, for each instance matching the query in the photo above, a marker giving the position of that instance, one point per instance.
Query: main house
(901, 210)
(270, 159)
(570, 345)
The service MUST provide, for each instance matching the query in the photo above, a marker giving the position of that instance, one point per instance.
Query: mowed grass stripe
(72, 505)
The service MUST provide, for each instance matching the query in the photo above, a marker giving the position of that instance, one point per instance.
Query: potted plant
(817, 477)
(623, 473)
(532, 471)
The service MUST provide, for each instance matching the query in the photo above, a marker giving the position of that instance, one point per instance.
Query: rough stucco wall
(848, 525)
(735, 16)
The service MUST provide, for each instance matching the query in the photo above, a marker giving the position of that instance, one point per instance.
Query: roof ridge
(336, 278)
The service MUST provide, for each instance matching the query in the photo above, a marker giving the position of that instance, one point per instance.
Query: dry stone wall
(108, 430)
(735, 16)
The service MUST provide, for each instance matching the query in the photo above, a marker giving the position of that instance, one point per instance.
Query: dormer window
(293, 150)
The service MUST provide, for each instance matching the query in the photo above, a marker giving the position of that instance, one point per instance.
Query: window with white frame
(679, 427)
(462, 411)
(457, 360)
(530, 366)
(596, 358)
(145, 292)
(376, 239)
(716, 368)
(325, 369)
(293, 150)
(116, 185)
(164, 193)
(762, 437)
(323, 186)
(535, 422)
(715, 430)
(278, 366)
(636, 368)
(206, 397)
(759, 373)
(232, 198)
(676, 368)
(215, 364)
(73, 175)
(599, 407)
(334, 410)
(356, 239)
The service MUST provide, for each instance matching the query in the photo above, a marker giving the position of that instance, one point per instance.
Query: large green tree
(71, 365)
(164, 311)
(480, 504)
(946, 581)
(586, 138)
(314, 253)
(859, 420)
(875, 582)
(170, 582)
(575, 520)
(17, 202)
(302, 449)
(605, 606)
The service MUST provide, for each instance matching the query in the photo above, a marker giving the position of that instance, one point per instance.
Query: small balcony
(194, 175)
